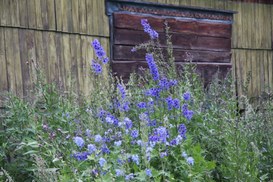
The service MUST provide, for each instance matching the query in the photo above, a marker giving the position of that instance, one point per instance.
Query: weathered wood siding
(56, 34)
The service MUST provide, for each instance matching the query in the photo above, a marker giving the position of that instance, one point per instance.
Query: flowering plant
(142, 135)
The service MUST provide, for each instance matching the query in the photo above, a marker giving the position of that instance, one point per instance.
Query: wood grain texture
(3, 70)
(196, 27)
(194, 42)
(124, 53)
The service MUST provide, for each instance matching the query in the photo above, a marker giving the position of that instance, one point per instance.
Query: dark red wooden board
(206, 71)
(185, 26)
(194, 42)
(121, 53)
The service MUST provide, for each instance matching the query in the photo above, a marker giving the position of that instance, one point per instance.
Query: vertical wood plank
(44, 15)
(65, 5)
(60, 60)
(17, 70)
(79, 65)
(270, 68)
(51, 14)
(74, 70)
(75, 16)
(38, 13)
(31, 13)
(6, 18)
(24, 62)
(31, 57)
(59, 14)
(52, 59)
(14, 12)
(91, 18)
(23, 13)
(45, 55)
(266, 71)
(67, 62)
(82, 16)
(3, 70)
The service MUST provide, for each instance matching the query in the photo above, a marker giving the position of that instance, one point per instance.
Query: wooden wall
(56, 35)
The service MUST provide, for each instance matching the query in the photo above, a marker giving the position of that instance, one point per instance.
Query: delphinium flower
(125, 106)
(148, 152)
(162, 134)
(148, 172)
(169, 102)
(105, 60)
(79, 141)
(189, 114)
(119, 172)
(164, 83)
(152, 66)
(135, 159)
(163, 154)
(176, 103)
(128, 123)
(98, 138)
(88, 133)
(190, 160)
(105, 149)
(118, 143)
(141, 105)
(152, 123)
(129, 177)
(81, 156)
(121, 91)
(91, 148)
(96, 67)
(182, 130)
(184, 154)
(134, 133)
(109, 120)
(147, 28)
(173, 82)
(187, 96)
(100, 53)
(102, 161)
(154, 92)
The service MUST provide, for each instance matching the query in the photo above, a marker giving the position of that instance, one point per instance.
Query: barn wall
(56, 34)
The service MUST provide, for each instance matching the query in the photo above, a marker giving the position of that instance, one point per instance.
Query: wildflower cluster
(132, 139)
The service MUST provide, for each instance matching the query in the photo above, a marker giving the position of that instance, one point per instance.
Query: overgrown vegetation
(162, 125)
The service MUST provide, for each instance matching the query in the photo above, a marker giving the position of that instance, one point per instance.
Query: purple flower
(173, 82)
(119, 172)
(188, 114)
(96, 67)
(190, 161)
(148, 172)
(79, 141)
(88, 133)
(162, 134)
(81, 156)
(129, 177)
(152, 66)
(102, 161)
(141, 105)
(182, 130)
(122, 91)
(164, 83)
(154, 92)
(109, 120)
(134, 133)
(125, 107)
(91, 148)
(147, 28)
(105, 149)
(163, 154)
(135, 159)
(98, 138)
(184, 154)
(176, 103)
(187, 96)
(105, 60)
(152, 123)
(118, 143)
(184, 108)
(100, 53)
(169, 102)
(128, 123)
